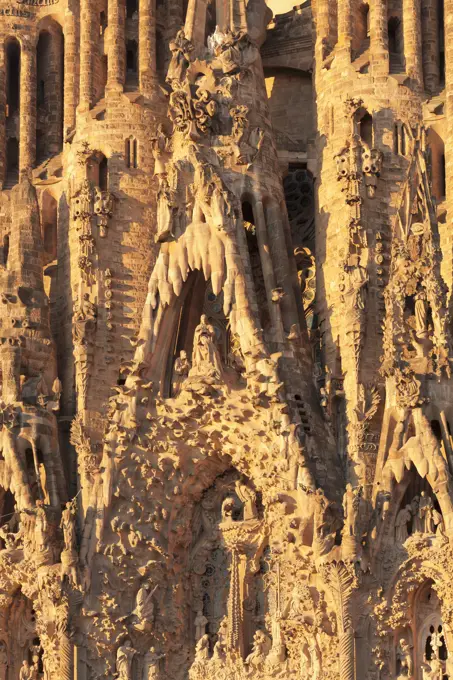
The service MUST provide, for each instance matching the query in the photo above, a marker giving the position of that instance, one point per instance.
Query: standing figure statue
(124, 657)
(402, 519)
(426, 513)
(205, 356)
(200, 625)
(151, 669)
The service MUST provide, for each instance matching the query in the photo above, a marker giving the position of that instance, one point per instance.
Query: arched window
(361, 34)
(103, 174)
(131, 61)
(366, 129)
(49, 226)
(12, 76)
(49, 91)
(132, 153)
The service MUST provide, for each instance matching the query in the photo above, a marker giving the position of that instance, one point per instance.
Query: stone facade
(226, 413)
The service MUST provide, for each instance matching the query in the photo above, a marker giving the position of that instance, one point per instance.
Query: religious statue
(205, 355)
(351, 503)
(85, 314)
(180, 49)
(200, 625)
(124, 657)
(103, 208)
(405, 664)
(25, 672)
(181, 371)
(401, 522)
(144, 606)
(222, 206)
(421, 315)
(425, 512)
(261, 646)
(202, 648)
(151, 669)
(68, 518)
(159, 146)
(165, 209)
(416, 522)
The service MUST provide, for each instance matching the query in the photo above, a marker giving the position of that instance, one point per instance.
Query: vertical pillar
(88, 44)
(322, 24)
(448, 14)
(2, 117)
(379, 49)
(268, 269)
(147, 46)
(238, 15)
(430, 48)
(345, 26)
(412, 27)
(116, 45)
(27, 144)
(195, 26)
(70, 73)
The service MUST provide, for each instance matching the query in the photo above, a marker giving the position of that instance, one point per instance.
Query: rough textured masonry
(226, 407)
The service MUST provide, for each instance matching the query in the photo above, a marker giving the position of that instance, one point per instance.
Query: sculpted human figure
(159, 145)
(181, 371)
(404, 659)
(421, 315)
(351, 501)
(258, 653)
(180, 49)
(151, 667)
(416, 522)
(144, 605)
(401, 522)
(202, 648)
(205, 356)
(68, 518)
(200, 625)
(85, 313)
(25, 672)
(124, 657)
(426, 508)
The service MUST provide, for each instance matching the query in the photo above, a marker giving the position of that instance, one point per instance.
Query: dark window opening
(102, 22)
(437, 431)
(5, 250)
(12, 162)
(131, 57)
(12, 77)
(131, 8)
(132, 153)
(366, 129)
(103, 174)
(396, 45)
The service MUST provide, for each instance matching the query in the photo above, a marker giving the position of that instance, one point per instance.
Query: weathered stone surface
(225, 340)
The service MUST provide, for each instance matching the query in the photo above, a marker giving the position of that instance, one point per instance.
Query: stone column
(2, 117)
(268, 269)
(430, 51)
(345, 26)
(379, 49)
(238, 15)
(322, 22)
(448, 13)
(89, 35)
(412, 27)
(147, 46)
(195, 26)
(27, 114)
(116, 45)
(70, 73)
